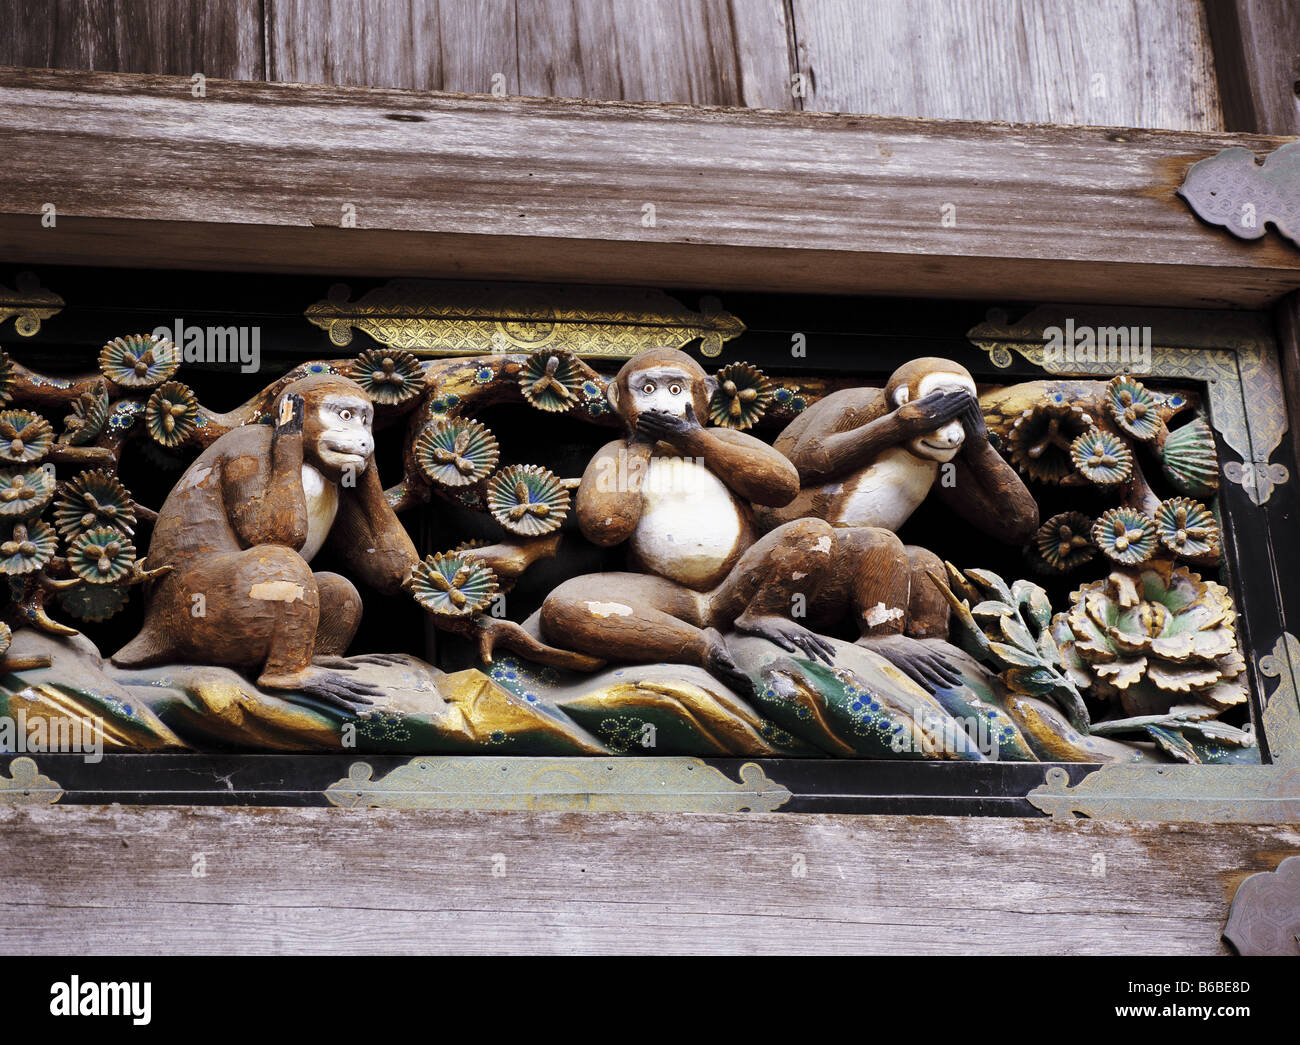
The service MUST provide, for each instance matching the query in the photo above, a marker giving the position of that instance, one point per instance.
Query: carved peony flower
(25, 436)
(1153, 638)
(138, 361)
(1125, 536)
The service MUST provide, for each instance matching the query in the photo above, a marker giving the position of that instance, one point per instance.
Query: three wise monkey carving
(727, 533)
(723, 534)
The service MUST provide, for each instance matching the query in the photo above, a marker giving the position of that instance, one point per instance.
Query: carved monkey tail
(143, 651)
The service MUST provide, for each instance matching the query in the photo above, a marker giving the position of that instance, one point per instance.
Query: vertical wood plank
(1108, 62)
(700, 52)
(439, 45)
(219, 38)
(1257, 55)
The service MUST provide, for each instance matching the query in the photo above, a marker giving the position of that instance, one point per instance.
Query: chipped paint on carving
(277, 591)
(882, 614)
(609, 609)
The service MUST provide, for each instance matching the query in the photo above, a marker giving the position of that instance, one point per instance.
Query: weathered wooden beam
(263, 176)
(98, 879)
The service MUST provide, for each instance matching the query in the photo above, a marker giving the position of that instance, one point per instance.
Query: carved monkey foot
(787, 634)
(914, 658)
(325, 684)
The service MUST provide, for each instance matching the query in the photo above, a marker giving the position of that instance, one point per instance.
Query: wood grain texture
(1257, 55)
(95, 880)
(218, 38)
(1105, 63)
(701, 52)
(257, 175)
(439, 45)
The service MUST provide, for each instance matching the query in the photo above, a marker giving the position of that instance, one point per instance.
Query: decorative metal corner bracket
(29, 304)
(27, 786)
(440, 318)
(1233, 353)
(1265, 914)
(685, 785)
(1199, 794)
(1232, 190)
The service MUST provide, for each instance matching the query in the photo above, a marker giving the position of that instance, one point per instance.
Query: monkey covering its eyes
(867, 458)
(677, 494)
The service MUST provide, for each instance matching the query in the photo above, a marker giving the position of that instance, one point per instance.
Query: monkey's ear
(901, 396)
(710, 385)
(611, 393)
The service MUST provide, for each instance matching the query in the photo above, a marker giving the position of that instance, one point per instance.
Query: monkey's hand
(326, 685)
(787, 634)
(932, 411)
(661, 426)
(927, 668)
(972, 419)
(288, 421)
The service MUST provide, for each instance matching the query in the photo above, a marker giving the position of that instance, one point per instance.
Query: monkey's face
(665, 388)
(943, 443)
(336, 435)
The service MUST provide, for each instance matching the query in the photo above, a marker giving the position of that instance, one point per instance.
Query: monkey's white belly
(322, 506)
(690, 523)
(887, 493)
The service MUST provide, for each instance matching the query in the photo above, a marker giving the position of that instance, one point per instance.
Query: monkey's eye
(648, 387)
(675, 389)
(346, 415)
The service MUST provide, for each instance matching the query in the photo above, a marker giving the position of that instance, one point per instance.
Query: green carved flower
(527, 500)
(29, 547)
(7, 377)
(451, 585)
(1101, 457)
(1133, 408)
(24, 493)
(1040, 440)
(455, 452)
(25, 436)
(88, 416)
(101, 556)
(139, 361)
(1152, 639)
(94, 602)
(741, 398)
(1063, 543)
(94, 500)
(1125, 535)
(551, 380)
(172, 414)
(390, 376)
(1187, 528)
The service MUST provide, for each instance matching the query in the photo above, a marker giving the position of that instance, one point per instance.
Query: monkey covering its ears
(239, 531)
